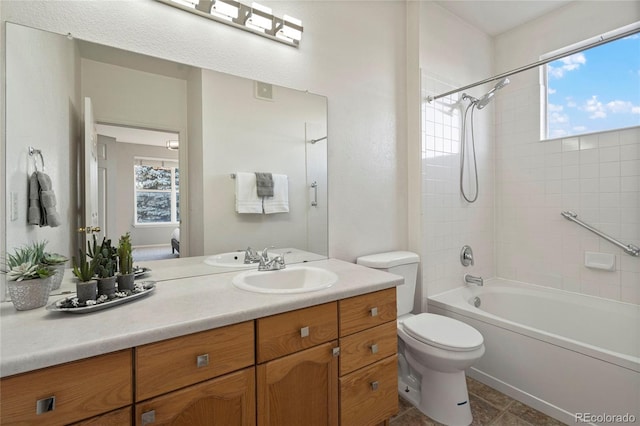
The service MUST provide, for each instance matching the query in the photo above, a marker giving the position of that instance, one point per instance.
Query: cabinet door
(370, 395)
(226, 401)
(299, 389)
(120, 417)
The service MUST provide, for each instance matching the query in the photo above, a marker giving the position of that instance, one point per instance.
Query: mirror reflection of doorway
(139, 189)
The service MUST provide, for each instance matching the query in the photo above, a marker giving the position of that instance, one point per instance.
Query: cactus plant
(105, 256)
(124, 254)
(83, 270)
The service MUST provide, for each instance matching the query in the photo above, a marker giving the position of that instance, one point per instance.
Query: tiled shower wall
(449, 222)
(517, 217)
(597, 176)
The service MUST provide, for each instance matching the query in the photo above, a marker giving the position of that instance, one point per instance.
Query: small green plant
(105, 256)
(125, 254)
(54, 259)
(25, 263)
(83, 270)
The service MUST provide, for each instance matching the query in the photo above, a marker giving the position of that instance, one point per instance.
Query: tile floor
(488, 407)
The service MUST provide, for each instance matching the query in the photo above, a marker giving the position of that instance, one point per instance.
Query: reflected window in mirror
(157, 191)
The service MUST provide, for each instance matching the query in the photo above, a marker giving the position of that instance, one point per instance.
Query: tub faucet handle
(466, 256)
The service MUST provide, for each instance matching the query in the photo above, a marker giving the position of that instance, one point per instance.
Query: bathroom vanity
(199, 348)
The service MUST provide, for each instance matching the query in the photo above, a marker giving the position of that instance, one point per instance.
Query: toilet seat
(443, 332)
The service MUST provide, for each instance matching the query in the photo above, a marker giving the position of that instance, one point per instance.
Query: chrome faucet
(471, 279)
(274, 264)
(250, 256)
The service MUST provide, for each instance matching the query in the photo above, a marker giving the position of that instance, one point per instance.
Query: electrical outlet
(14, 206)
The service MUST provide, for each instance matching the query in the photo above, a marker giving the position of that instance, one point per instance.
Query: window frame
(174, 191)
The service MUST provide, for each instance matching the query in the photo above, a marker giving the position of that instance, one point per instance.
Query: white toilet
(433, 350)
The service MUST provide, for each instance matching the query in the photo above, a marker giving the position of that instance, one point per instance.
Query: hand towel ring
(32, 153)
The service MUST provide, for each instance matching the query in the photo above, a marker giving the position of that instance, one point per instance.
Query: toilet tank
(403, 263)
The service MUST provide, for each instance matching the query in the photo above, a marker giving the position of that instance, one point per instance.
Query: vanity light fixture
(257, 19)
(173, 145)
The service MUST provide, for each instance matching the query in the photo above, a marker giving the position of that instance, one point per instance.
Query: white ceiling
(495, 17)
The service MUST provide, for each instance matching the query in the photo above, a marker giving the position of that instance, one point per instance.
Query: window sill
(157, 225)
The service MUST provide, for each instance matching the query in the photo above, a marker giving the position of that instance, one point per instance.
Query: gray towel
(42, 201)
(264, 182)
(33, 215)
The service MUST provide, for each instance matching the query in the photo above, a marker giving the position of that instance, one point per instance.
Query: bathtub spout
(471, 279)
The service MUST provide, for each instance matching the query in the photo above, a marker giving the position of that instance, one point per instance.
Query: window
(595, 90)
(157, 194)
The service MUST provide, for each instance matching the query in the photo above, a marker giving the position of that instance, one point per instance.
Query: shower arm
(630, 249)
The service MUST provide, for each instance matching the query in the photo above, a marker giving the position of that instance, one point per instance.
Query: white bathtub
(562, 353)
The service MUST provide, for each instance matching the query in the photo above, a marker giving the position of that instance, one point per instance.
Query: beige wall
(42, 112)
(359, 64)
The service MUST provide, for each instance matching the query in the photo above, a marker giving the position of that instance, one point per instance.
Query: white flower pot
(29, 294)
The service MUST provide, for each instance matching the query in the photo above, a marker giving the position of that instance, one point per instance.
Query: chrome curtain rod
(630, 249)
(599, 42)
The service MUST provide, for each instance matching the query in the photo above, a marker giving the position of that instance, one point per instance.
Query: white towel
(279, 203)
(247, 200)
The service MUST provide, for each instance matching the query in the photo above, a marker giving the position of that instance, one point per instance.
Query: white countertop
(39, 338)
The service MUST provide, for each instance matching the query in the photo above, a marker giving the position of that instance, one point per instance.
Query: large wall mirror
(144, 145)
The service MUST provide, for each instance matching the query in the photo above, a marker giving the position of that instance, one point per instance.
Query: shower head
(484, 101)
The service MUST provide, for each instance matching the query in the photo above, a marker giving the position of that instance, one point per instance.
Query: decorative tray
(70, 304)
(139, 271)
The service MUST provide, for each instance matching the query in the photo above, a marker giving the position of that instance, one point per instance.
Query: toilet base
(444, 397)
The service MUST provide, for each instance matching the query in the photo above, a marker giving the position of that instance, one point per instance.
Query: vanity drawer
(68, 392)
(171, 364)
(369, 310)
(370, 396)
(289, 332)
(364, 348)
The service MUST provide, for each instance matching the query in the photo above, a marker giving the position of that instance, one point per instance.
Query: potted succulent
(106, 258)
(56, 261)
(125, 264)
(86, 285)
(29, 280)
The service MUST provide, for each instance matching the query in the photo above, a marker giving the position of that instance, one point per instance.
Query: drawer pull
(45, 405)
(148, 417)
(304, 332)
(374, 348)
(374, 312)
(202, 360)
(374, 385)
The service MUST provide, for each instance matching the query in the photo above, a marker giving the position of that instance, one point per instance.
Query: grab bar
(630, 249)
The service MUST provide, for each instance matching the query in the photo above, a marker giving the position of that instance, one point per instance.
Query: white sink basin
(293, 279)
(234, 259)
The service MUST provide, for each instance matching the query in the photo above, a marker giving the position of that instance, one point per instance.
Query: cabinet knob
(45, 405)
(202, 360)
(374, 348)
(374, 385)
(374, 312)
(304, 332)
(148, 417)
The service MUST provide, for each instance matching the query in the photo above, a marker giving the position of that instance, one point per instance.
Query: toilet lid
(443, 332)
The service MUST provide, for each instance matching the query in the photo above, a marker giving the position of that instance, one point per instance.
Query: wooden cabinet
(225, 401)
(324, 365)
(368, 358)
(121, 417)
(175, 363)
(298, 370)
(69, 392)
(194, 379)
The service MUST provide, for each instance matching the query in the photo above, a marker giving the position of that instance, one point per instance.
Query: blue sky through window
(595, 90)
